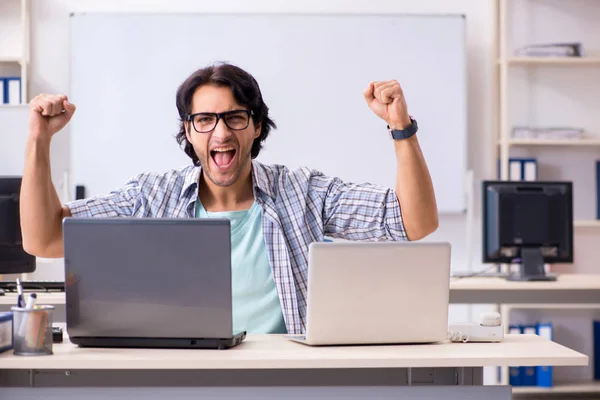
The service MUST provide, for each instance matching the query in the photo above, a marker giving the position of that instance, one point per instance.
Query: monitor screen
(13, 258)
(527, 215)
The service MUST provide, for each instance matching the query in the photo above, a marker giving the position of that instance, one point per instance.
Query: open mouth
(223, 157)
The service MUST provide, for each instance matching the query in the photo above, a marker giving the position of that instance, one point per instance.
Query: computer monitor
(13, 258)
(528, 223)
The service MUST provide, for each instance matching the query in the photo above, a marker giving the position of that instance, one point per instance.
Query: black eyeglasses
(236, 120)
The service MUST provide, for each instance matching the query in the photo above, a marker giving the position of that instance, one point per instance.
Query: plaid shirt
(299, 207)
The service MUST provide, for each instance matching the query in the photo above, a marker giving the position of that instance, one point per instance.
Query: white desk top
(563, 282)
(276, 352)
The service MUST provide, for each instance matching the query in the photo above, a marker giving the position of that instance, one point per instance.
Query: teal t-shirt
(255, 303)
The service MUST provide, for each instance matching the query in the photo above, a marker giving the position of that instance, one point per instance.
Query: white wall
(50, 73)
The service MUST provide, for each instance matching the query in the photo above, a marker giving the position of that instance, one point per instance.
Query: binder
(522, 169)
(530, 170)
(12, 90)
(544, 373)
(514, 373)
(515, 170)
(596, 350)
(598, 189)
(3, 96)
(529, 373)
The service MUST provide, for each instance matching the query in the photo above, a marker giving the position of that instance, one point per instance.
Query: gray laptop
(149, 282)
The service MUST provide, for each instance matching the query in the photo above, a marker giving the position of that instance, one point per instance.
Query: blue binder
(15, 98)
(596, 350)
(544, 373)
(598, 189)
(6, 331)
(529, 373)
(514, 373)
(3, 91)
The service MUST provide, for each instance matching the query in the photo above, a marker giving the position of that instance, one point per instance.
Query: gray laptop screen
(160, 278)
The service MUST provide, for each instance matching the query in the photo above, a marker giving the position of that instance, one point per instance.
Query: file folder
(521, 169)
(598, 189)
(514, 373)
(544, 373)
(530, 170)
(12, 90)
(3, 96)
(529, 373)
(596, 350)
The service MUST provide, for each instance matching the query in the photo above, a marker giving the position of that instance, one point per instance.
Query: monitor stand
(531, 267)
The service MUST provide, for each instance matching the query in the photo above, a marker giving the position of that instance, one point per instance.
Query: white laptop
(377, 293)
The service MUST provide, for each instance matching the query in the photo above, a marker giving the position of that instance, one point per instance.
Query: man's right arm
(40, 208)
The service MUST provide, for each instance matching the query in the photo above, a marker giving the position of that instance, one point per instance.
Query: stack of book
(548, 133)
(551, 50)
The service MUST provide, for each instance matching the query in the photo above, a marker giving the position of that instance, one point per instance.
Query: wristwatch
(404, 133)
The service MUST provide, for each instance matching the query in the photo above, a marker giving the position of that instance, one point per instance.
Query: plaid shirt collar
(260, 180)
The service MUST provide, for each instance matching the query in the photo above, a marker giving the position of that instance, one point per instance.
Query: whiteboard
(312, 69)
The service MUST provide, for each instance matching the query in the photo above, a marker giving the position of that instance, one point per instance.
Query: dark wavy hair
(245, 91)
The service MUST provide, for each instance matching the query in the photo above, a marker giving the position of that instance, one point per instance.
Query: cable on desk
(482, 272)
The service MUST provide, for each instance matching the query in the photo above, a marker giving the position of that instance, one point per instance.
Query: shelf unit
(21, 60)
(581, 386)
(508, 69)
(504, 63)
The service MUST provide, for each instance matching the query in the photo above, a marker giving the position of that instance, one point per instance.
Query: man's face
(224, 153)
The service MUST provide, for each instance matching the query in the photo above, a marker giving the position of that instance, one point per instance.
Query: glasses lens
(204, 122)
(237, 120)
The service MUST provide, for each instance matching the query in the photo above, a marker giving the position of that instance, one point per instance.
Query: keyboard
(34, 286)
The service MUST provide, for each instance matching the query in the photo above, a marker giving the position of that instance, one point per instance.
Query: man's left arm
(414, 188)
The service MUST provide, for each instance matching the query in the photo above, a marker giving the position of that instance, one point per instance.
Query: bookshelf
(546, 80)
(506, 59)
(552, 91)
(15, 20)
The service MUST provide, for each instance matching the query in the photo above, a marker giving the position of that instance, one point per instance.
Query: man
(275, 213)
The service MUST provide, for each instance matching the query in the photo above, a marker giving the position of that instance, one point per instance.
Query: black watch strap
(404, 133)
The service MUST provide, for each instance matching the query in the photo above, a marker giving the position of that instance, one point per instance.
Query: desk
(269, 366)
